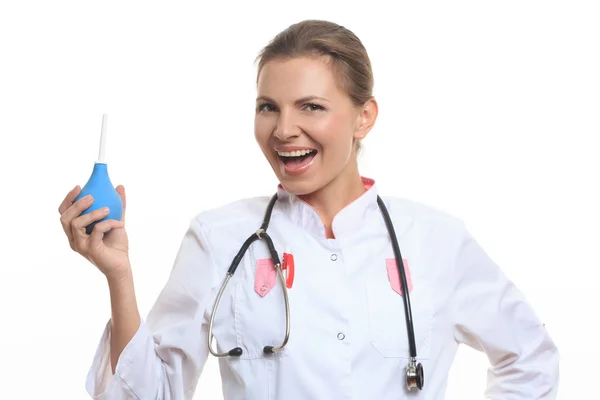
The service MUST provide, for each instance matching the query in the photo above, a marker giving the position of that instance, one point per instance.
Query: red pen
(288, 267)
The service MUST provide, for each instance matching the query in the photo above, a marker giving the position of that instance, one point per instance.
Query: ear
(366, 118)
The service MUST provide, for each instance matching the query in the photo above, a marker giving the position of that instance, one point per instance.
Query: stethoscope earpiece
(415, 377)
(235, 352)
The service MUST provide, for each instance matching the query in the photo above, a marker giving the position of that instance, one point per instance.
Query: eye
(268, 107)
(313, 107)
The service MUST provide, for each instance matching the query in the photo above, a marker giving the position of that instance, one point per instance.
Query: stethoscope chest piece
(415, 377)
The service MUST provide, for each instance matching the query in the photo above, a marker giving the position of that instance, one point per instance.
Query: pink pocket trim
(394, 276)
(266, 276)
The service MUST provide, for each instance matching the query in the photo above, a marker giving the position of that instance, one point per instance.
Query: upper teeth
(296, 153)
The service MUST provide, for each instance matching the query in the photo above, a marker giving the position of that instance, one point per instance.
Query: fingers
(121, 190)
(68, 201)
(95, 239)
(68, 216)
(79, 224)
(74, 224)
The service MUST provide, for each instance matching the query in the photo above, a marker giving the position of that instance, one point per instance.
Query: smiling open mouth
(296, 159)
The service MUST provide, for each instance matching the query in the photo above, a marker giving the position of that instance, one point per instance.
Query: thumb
(121, 190)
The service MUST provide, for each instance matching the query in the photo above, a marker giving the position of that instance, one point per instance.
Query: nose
(287, 127)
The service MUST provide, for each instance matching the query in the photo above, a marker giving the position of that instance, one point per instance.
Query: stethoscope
(414, 371)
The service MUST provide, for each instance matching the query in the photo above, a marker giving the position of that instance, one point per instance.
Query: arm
(492, 315)
(165, 356)
(125, 316)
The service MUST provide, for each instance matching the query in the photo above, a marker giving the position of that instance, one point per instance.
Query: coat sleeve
(491, 315)
(166, 356)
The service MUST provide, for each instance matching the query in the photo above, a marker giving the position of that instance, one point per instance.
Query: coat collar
(348, 221)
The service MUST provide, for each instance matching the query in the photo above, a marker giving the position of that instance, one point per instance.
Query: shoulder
(426, 228)
(420, 214)
(233, 215)
(222, 230)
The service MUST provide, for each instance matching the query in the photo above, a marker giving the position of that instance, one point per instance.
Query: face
(305, 125)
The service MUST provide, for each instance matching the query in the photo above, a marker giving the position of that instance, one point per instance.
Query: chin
(300, 187)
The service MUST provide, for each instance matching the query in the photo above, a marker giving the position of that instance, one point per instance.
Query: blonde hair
(348, 57)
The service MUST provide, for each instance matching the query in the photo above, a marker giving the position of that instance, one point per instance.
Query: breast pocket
(259, 309)
(388, 329)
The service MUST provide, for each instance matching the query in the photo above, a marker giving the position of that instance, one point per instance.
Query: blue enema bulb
(101, 188)
(104, 194)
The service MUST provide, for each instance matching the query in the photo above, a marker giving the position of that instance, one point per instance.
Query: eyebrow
(297, 102)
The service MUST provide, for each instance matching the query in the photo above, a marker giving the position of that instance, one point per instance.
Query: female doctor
(325, 291)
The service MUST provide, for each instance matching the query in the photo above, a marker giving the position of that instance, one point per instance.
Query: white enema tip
(102, 140)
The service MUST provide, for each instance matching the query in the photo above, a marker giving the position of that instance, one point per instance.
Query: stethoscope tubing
(414, 377)
(402, 274)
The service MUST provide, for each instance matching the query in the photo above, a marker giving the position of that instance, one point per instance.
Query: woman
(349, 337)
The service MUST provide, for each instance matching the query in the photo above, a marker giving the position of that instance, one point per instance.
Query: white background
(489, 111)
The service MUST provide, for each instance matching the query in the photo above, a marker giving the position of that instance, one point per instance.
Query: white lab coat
(348, 332)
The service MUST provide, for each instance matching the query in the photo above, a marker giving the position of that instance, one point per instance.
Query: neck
(334, 196)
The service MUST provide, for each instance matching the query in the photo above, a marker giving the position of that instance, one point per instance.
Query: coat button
(333, 257)
(341, 336)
